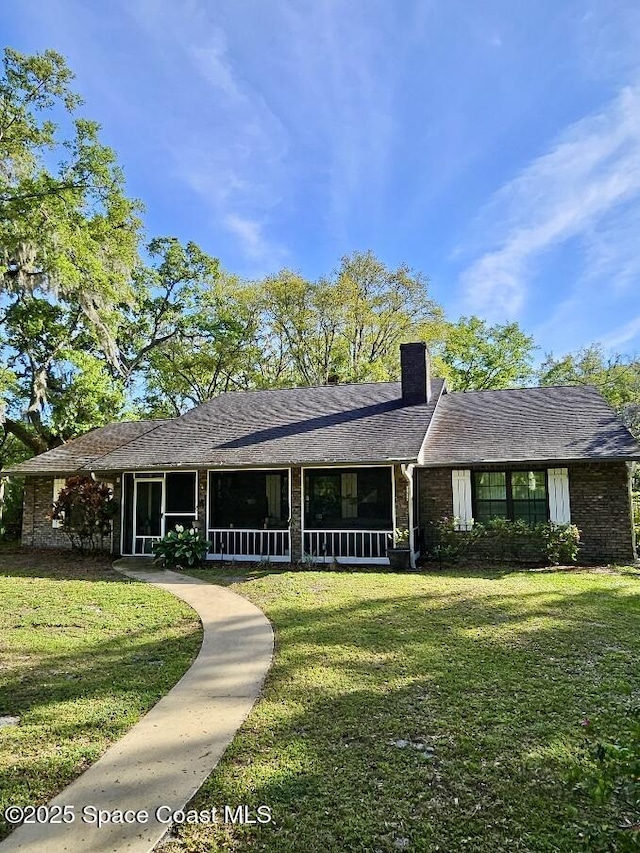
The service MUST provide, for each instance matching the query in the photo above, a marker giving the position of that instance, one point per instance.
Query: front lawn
(84, 652)
(429, 712)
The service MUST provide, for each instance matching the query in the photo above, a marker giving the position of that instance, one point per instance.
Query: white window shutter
(58, 485)
(462, 511)
(559, 508)
(349, 487)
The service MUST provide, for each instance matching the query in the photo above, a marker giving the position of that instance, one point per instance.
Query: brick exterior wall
(295, 511)
(601, 508)
(599, 498)
(37, 530)
(599, 495)
(401, 488)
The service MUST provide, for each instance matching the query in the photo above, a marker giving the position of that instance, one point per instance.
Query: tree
(68, 241)
(350, 325)
(476, 356)
(68, 230)
(617, 377)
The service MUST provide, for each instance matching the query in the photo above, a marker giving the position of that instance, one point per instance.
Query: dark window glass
(181, 492)
(148, 508)
(514, 495)
(344, 498)
(529, 493)
(491, 495)
(250, 500)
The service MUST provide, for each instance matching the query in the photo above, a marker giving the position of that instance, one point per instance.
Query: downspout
(407, 473)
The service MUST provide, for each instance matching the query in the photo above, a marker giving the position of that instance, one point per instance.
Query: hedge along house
(329, 472)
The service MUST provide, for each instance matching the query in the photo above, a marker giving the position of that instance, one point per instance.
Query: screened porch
(248, 516)
(348, 514)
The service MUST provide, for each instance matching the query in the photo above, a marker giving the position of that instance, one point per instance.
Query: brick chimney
(416, 373)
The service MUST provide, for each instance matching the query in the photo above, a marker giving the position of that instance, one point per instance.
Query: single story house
(329, 472)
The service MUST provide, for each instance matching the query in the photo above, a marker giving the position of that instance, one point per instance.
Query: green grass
(84, 653)
(429, 712)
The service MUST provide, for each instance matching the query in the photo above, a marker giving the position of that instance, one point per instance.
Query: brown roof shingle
(81, 452)
(559, 423)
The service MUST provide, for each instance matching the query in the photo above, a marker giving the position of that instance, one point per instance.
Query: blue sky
(493, 146)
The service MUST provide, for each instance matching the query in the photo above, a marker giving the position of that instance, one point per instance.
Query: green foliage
(471, 685)
(350, 325)
(475, 356)
(401, 537)
(71, 232)
(609, 774)
(181, 548)
(86, 509)
(68, 241)
(502, 539)
(561, 542)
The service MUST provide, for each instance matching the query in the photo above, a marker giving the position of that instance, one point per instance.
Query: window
(510, 494)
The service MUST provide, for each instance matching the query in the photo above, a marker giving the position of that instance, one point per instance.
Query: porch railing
(242, 544)
(363, 545)
(143, 545)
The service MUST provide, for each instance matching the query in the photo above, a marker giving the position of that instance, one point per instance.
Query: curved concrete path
(164, 759)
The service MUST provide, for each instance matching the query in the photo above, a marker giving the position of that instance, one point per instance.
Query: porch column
(296, 515)
(116, 538)
(401, 508)
(202, 502)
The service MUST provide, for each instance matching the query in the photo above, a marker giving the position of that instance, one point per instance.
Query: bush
(181, 549)
(86, 509)
(11, 501)
(561, 542)
(501, 539)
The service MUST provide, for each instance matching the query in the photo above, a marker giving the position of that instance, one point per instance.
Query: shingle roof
(351, 424)
(329, 423)
(529, 424)
(80, 453)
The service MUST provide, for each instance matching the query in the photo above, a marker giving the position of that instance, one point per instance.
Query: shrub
(181, 548)
(86, 509)
(561, 542)
(502, 539)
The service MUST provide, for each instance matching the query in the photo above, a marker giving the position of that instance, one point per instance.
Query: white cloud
(565, 194)
(621, 336)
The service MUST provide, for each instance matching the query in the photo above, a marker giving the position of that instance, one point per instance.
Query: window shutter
(349, 487)
(462, 511)
(58, 485)
(559, 509)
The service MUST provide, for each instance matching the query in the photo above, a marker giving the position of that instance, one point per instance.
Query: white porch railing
(238, 544)
(144, 545)
(363, 546)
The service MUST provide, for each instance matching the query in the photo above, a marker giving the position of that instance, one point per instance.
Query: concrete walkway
(165, 758)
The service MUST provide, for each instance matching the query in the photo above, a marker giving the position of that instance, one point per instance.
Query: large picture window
(516, 495)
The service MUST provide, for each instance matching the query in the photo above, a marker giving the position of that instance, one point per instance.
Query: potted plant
(400, 554)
